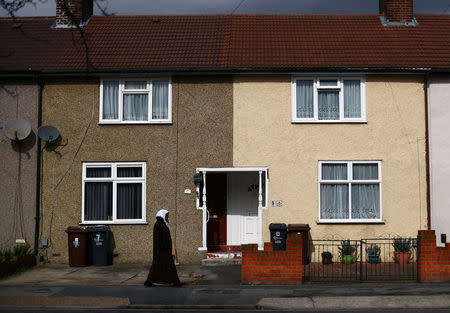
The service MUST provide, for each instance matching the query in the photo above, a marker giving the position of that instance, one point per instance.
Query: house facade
(438, 121)
(19, 163)
(234, 122)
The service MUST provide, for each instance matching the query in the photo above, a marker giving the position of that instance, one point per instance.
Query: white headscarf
(162, 213)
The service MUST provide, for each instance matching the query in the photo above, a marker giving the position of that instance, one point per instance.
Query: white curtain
(328, 103)
(365, 201)
(135, 107)
(334, 197)
(352, 98)
(334, 171)
(365, 171)
(334, 201)
(305, 95)
(111, 100)
(160, 99)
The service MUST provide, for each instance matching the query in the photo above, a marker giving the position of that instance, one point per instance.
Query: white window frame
(116, 180)
(340, 86)
(349, 181)
(147, 91)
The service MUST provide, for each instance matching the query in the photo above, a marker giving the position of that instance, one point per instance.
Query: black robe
(163, 268)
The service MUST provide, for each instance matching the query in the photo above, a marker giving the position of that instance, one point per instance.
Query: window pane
(334, 201)
(111, 100)
(92, 172)
(365, 201)
(352, 98)
(334, 171)
(160, 99)
(135, 107)
(365, 171)
(328, 82)
(305, 94)
(129, 172)
(136, 84)
(98, 201)
(129, 201)
(328, 105)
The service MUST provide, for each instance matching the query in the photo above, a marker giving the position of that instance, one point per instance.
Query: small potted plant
(402, 250)
(327, 257)
(347, 252)
(373, 252)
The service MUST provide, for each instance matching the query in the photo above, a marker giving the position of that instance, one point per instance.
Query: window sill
(137, 123)
(328, 122)
(352, 222)
(112, 223)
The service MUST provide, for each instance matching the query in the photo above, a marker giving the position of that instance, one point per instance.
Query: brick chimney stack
(397, 11)
(70, 13)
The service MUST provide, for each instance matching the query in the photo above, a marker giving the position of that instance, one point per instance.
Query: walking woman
(163, 270)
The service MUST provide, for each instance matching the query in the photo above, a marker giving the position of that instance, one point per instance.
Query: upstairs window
(135, 101)
(328, 99)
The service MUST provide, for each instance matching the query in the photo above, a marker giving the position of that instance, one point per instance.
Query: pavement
(121, 286)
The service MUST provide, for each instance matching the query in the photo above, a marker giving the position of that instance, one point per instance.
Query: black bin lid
(277, 226)
(99, 228)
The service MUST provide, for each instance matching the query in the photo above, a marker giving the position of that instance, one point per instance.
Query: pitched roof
(30, 44)
(225, 42)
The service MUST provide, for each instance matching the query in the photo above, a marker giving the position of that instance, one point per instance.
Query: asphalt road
(223, 311)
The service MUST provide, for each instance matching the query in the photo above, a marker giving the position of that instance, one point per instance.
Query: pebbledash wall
(263, 135)
(200, 136)
(18, 164)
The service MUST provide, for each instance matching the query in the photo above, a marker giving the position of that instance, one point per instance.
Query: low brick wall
(433, 264)
(273, 267)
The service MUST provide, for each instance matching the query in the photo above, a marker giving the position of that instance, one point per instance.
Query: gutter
(38, 171)
(427, 151)
(229, 70)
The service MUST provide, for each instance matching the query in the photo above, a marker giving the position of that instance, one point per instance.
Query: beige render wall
(200, 136)
(263, 135)
(18, 165)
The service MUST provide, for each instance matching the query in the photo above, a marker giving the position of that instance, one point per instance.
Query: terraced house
(315, 119)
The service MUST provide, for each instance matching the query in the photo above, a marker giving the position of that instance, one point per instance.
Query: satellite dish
(17, 129)
(48, 133)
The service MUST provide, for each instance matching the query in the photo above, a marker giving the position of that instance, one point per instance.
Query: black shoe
(149, 284)
(178, 284)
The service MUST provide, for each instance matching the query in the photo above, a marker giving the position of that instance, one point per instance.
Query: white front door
(242, 208)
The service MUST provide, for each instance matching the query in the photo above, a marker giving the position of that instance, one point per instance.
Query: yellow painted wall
(263, 135)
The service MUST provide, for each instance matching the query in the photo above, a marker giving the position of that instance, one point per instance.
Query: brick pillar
(433, 263)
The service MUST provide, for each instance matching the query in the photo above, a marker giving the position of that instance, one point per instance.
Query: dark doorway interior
(216, 202)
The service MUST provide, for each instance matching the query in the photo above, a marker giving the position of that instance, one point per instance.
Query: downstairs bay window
(113, 193)
(350, 191)
(317, 99)
(135, 101)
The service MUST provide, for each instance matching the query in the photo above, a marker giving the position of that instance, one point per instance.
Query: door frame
(262, 203)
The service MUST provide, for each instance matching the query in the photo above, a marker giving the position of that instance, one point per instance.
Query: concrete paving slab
(62, 301)
(357, 302)
(117, 274)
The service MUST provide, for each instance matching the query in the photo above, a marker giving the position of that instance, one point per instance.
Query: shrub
(347, 248)
(402, 244)
(373, 249)
(327, 255)
(21, 250)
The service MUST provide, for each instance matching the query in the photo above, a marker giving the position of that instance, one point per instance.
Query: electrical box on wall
(44, 242)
